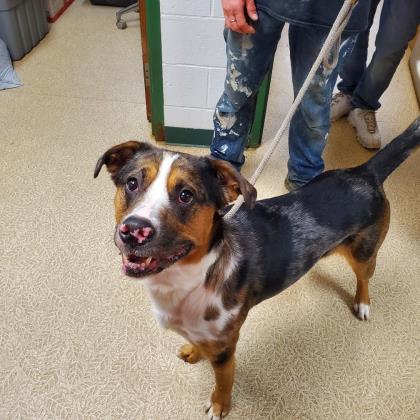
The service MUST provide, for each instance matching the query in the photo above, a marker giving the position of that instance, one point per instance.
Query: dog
(204, 273)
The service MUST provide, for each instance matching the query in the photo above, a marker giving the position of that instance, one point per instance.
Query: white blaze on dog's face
(156, 197)
(166, 204)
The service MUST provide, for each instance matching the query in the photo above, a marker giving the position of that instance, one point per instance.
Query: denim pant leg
(354, 64)
(311, 123)
(398, 24)
(249, 58)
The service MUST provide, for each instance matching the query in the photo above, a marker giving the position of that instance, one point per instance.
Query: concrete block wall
(194, 61)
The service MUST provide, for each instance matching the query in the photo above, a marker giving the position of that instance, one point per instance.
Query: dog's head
(167, 203)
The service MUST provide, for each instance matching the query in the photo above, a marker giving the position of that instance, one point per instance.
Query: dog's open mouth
(140, 266)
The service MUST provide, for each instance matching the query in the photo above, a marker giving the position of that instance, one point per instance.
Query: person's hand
(234, 11)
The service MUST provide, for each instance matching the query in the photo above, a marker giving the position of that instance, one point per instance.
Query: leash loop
(331, 41)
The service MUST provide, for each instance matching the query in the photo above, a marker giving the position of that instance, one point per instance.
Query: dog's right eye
(132, 184)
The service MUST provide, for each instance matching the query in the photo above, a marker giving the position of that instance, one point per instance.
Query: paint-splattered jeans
(399, 20)
(249, 58)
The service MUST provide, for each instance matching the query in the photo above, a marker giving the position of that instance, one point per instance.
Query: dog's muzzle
(137, 239)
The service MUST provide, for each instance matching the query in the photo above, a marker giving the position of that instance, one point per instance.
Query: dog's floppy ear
(116, 157)
(233, 183)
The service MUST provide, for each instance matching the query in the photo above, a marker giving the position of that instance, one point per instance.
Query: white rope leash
(335, 32)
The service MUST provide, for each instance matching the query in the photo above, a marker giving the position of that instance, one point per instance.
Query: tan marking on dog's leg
(189, 353)
(221, 357)
(220, 403)
(364, 270)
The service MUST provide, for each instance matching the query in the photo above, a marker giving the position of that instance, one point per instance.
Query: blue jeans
(398, 23)
(249, 58)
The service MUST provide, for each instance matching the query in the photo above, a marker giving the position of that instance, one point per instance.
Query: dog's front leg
(189, 353)
(224, 369)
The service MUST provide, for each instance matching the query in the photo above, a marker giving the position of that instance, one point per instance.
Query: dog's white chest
(181, 302)
(187, 316)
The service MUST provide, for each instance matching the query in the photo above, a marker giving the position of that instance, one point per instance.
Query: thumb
(251, 9)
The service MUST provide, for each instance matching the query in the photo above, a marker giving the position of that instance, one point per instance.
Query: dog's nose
(136, 230)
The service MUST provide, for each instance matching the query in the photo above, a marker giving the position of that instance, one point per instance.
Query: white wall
(194, 61)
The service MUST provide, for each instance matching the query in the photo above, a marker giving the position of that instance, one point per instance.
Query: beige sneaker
(364, 121)
(340, 106)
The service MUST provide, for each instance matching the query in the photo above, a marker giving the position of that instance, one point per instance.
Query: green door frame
(179, 135)
(151, 10)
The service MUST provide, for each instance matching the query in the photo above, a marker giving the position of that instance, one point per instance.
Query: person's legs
(399, 19)
(398, 23)
(353, 64)
(249, 58)
(310, 125)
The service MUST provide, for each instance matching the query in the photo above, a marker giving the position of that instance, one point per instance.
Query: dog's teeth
(148, 260)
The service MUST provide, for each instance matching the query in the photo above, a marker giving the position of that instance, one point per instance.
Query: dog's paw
(362, 310)
(189, 353)
(215, 411)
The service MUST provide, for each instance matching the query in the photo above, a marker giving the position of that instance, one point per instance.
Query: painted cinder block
(194, 61)
(191, 40)
(186, 7)
(185, 85)
(189, 117)
(215, 86)
(216, 8)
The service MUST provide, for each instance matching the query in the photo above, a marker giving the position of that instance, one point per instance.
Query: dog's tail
(396, 152)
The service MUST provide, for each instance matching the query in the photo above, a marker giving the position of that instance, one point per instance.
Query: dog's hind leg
(361, 251)
(364, 271)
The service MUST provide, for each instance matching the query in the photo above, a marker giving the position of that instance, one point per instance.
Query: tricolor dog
(204, 273)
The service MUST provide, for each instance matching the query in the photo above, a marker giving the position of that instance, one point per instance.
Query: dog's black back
(283, 237)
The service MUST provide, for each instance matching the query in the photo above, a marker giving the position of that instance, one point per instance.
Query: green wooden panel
(255, 135)
(155, 67)
(186, 136)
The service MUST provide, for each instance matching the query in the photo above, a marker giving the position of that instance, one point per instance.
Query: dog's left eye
(185, 196)
(132, 184)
